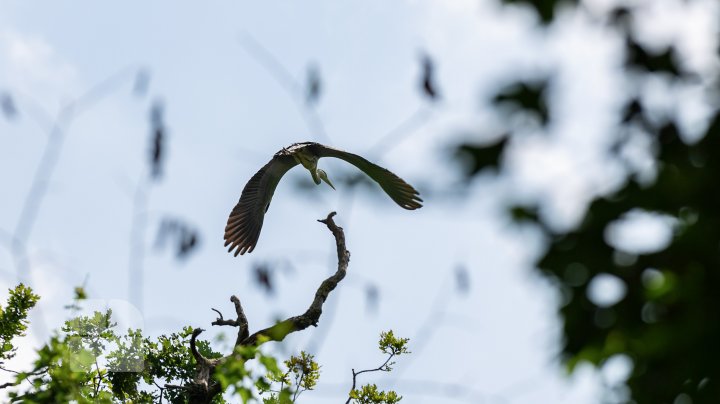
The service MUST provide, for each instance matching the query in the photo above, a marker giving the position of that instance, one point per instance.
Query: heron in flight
(246, 219)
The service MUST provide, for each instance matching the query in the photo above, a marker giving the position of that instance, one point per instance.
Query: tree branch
(241, 321)
(311, 316)
(355, 374)
(203, 388)
(199, 358)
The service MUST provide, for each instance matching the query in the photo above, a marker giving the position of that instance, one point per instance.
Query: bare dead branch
(220, 318)
(311, 316)
(240, 322)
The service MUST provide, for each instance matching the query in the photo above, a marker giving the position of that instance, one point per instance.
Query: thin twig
(136, 256)
(162, 391)
(27, 374)
(46, 167)
(355, 374)
(286, 80)
(424, 333)
(395, 136)
(220, 320)
(53, 150)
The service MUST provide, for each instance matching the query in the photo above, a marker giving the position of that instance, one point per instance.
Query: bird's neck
(308, 163)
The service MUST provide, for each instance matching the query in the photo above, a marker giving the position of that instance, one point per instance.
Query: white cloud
(30, 64)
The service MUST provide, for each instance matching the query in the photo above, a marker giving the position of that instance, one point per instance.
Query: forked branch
(204, 388)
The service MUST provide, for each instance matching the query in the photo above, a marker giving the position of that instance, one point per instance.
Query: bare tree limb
(241, 321)
(312, 314)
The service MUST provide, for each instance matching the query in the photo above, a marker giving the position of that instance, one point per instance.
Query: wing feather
(246, 219)
(400, 191)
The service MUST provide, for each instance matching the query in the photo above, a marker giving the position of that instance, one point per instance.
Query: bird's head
(322, 175)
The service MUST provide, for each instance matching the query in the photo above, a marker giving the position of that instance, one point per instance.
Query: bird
(246, 219)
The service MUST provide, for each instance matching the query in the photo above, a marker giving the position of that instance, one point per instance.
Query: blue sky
(227, 114)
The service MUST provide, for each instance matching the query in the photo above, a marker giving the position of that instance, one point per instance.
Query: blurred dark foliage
(263, 275)
(668, 326)
(656, 62)
(427, 81)
(184, 238)
(477, 157)
(526, 98)
(525, 214)
(313, 85)
(545, 9)
(157, 143)
(372, 298)
(668, 321)
(8, 107)
(462, 280)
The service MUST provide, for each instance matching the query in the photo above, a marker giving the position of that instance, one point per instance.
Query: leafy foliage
(91, 363)
(369, 394)
(302, 374)
(13, 319)
(391, 345)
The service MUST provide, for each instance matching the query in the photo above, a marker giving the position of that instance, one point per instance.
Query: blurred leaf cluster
(302, 374)
(665, 318)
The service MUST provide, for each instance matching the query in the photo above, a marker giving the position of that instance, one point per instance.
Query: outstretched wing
(246, 219)
(400, 191)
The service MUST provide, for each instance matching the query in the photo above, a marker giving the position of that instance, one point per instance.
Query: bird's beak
(323, 176)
